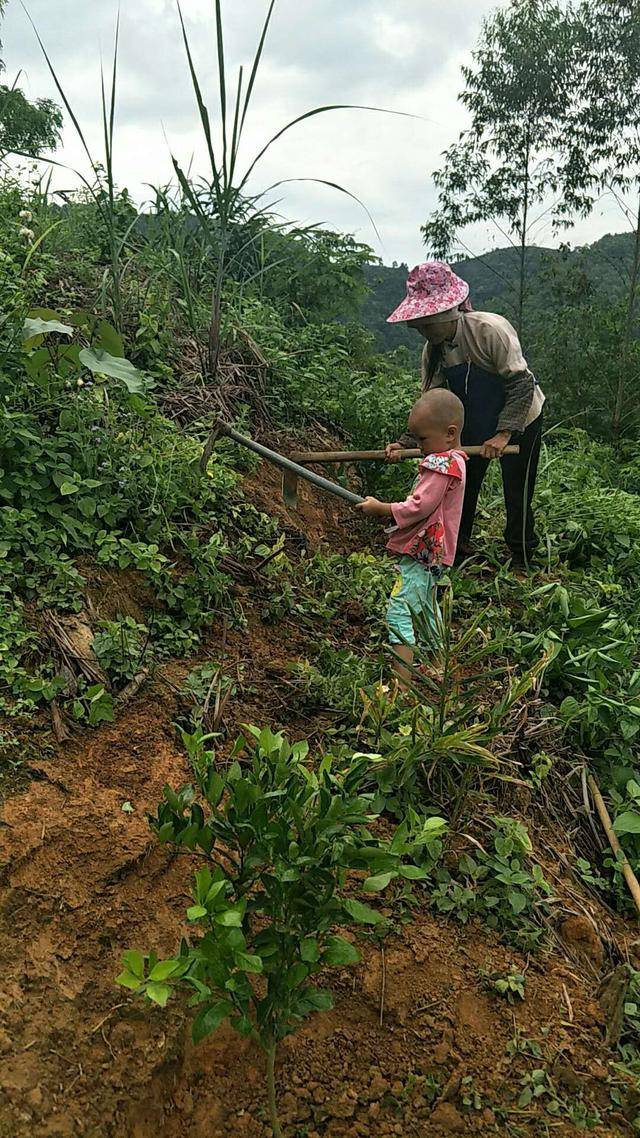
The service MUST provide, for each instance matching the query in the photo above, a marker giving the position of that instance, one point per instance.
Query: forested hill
(554, 276)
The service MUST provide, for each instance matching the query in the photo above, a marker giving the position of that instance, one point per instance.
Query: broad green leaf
(309, 950)
(103, 363)
(203, 883)
(128, 980)
(217, 888)
(69, 488)
(627, 823)
(362, 914)
(375, 884)
(36, 326)
(319, 998)
(87, 507)
(413, 872)
(229, 919)
(195, 912)
(134, 962)
(296, 974)
(247, 962)
(158, 993)
(164, 969)
(209, 1019)
(340, 951)
(242, 1024)
(108, 339)
(518, 901)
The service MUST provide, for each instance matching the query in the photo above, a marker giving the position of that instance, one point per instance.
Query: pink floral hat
(433, 289)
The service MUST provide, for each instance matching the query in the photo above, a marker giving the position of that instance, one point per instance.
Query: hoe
(295, 467)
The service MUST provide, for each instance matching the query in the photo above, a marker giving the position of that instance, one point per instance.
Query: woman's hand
(494, 447)
(392, 452)
(373, 508)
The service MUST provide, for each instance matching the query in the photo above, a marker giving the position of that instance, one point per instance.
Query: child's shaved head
(439, 407)
(436, 420)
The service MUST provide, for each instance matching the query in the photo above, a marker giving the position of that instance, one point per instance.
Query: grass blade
(37, 243)
(61, 92)
(204, 114)
(311, 114)
(256, 63)
(332, 186)
(222, 81)
(234, 135)
(112, 109)
(187, 190)
(64, 166)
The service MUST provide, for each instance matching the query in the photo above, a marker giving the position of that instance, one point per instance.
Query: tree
(504, 165)
(277, 839)
(26, 128)
(604, 150)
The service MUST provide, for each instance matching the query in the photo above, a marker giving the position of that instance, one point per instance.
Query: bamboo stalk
(375, 455)
(629, 875)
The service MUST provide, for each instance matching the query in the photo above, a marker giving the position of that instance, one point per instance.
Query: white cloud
(405, 56)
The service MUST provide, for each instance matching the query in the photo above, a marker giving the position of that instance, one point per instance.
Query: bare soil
(414, 1035)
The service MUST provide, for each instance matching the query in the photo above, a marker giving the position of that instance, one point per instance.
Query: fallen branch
(629, 875)
(59, 728)
(71, 638)
(132, 688)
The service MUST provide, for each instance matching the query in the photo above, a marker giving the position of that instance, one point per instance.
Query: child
(426, 524)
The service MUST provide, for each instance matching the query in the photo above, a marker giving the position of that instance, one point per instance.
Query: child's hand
(372, 507)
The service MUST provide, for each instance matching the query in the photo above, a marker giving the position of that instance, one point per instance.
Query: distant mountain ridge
(554, 276)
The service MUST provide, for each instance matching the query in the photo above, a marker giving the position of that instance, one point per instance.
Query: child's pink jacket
(427, 523)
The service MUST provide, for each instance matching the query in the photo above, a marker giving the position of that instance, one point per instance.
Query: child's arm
(375, 509)
(426, 498)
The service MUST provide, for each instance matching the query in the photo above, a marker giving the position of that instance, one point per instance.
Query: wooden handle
(603, 813)
(321, 456)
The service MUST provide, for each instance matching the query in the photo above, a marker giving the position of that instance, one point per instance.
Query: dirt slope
(413, 1039)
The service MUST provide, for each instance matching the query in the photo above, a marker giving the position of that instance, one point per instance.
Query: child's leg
(400, 621)
(429, 621)
(403, 655)
(413, 612)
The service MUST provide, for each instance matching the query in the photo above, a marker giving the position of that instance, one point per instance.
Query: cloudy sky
(404, 56)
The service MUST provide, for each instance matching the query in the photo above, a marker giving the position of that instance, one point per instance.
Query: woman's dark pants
(518, 481)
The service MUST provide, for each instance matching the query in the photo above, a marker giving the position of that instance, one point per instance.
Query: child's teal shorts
(412, 611)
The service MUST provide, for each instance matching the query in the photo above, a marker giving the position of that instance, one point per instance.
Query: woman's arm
(505, 350)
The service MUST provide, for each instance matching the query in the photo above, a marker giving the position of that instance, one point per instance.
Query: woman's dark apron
(482, 395)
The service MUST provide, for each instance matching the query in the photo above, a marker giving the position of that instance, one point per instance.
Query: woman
(479, 357)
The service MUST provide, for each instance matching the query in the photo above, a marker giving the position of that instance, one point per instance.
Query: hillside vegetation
(248, 885)
(138, 590)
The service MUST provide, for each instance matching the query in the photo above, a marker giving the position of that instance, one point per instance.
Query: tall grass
(226, 194)
(102, 186)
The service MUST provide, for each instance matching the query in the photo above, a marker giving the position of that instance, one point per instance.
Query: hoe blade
(290, 489)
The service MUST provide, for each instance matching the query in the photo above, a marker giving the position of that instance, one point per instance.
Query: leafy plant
(538, 1086)
(500, 885)
(94, 705)
(277, 839)
(510, 985)
(120, 646)
(438, 742)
